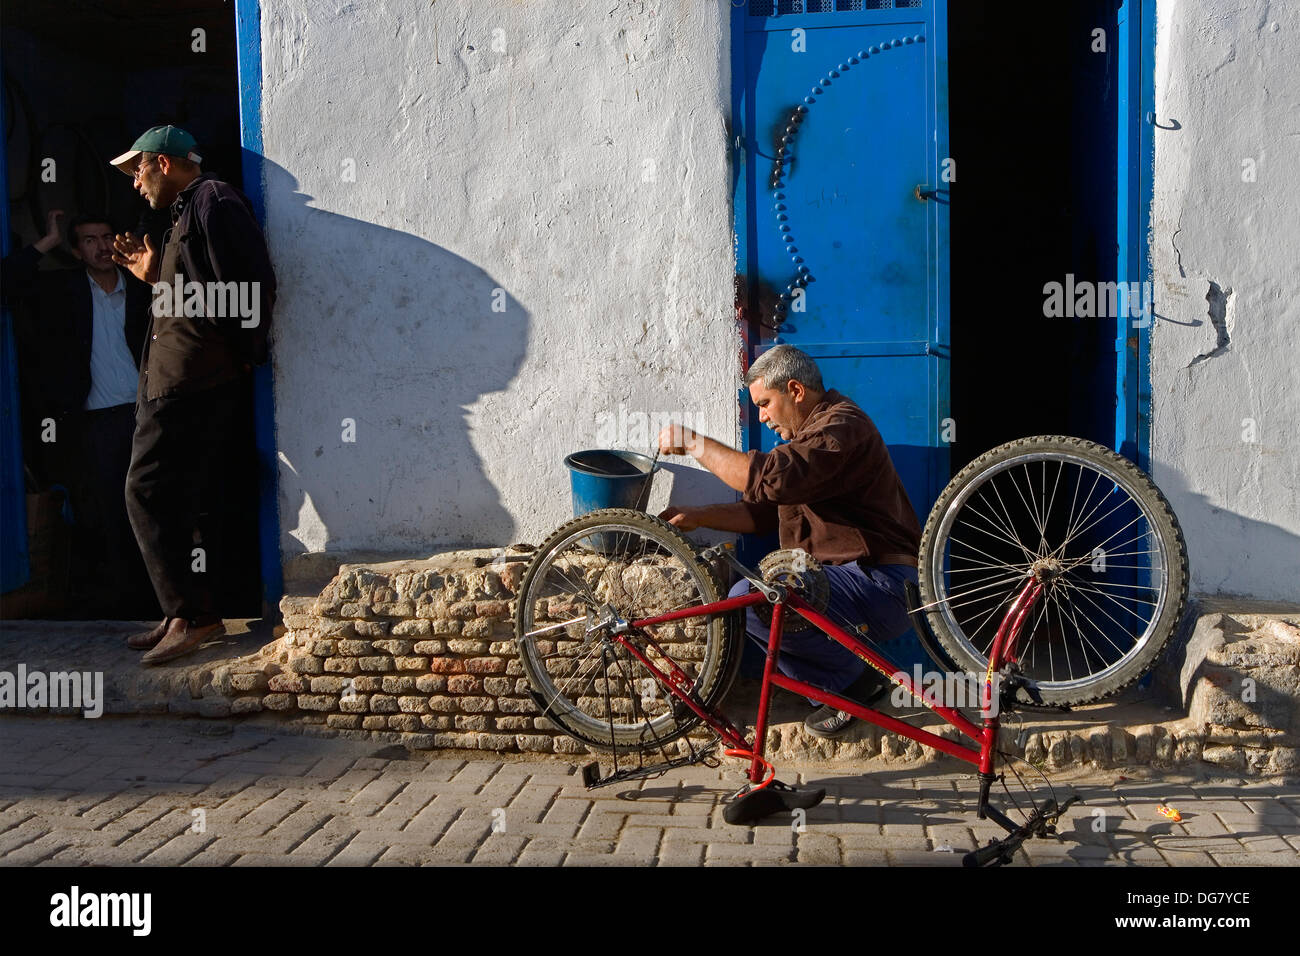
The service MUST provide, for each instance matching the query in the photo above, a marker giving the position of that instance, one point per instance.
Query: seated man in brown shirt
(832, 490)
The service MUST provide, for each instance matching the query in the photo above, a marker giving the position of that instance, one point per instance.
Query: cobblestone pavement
(168, 792)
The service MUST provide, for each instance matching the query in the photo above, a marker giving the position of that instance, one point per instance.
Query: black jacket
(220, 242)
(55, 327)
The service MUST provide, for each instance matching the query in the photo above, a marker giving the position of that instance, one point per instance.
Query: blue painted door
(840, 109)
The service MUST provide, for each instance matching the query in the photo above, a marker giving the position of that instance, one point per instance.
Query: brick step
(421, 653)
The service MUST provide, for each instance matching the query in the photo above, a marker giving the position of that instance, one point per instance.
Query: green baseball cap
(168, 140)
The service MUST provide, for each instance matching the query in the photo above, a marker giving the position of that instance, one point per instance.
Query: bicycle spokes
(1090, 539)
(582, 594)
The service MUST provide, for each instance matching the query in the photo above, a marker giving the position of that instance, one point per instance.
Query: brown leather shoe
(147, 639)
(181, 638)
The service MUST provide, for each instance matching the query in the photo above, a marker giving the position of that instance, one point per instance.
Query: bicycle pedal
(591, 775)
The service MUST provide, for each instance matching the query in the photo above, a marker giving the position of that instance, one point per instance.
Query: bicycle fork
(1000, 654)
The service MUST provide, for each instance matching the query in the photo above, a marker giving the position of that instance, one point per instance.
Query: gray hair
(778, 366)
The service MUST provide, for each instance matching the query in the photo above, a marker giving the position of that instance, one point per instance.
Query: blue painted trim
(741, 124)
(1146, 197)
(248, 39)
(941, 386)
(1125, 192)
(15, 563)
(1135, 162)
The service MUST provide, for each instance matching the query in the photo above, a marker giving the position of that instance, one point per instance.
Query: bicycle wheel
(1094, 527)
(620, 564)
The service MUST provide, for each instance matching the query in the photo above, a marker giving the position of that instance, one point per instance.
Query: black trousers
(106, 443)
(178, 446)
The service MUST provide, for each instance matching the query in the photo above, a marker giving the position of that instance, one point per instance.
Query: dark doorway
(82, 79)
(1033, 127)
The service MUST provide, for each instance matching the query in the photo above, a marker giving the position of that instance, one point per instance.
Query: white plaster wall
(1227, 80)
(581, 167)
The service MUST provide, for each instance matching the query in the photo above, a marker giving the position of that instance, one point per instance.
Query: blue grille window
(776, 8)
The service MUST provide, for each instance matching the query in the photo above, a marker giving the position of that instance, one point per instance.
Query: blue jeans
(873, 597)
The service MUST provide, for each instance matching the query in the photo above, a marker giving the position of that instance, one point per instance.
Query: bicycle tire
(604, 703)
(1109, 608)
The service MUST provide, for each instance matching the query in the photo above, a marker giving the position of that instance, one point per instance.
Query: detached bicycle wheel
(1095, 529)
(610, 565)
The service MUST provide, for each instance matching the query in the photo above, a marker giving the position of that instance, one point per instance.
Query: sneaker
(828, 723)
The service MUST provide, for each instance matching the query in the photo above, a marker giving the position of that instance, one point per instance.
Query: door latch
(925, 192)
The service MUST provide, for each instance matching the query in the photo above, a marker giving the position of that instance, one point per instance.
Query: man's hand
(732, 516)
(53, 231)
(141, 258)
(677, 440)
(683, 519)
(728, 464)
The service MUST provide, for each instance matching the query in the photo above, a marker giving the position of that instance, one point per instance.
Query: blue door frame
(14, 563)
(248, 40)
(1135, 165)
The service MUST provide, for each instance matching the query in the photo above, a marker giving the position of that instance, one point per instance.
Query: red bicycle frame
(1001, 653)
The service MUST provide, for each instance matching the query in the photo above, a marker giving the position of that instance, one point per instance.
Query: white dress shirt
(113, 375)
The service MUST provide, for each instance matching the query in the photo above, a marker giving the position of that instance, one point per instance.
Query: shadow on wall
(694, 486)
(382, 343)
(1230, 553)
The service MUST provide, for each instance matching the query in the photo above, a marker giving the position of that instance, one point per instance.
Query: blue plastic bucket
(602, 478)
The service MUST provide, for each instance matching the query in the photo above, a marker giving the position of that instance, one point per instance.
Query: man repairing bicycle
(832, 490)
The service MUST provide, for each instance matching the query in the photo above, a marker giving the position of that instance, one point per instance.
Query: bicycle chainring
(796, 570)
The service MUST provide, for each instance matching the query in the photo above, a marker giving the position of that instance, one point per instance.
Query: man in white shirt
(114, 375)
(110, 414)
(86, 330)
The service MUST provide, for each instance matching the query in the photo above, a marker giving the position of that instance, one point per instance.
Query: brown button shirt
(833, 491)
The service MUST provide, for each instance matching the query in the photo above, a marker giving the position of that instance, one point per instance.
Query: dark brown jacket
(833, 491)
(219, 241)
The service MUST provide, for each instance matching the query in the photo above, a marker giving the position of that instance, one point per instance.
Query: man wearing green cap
(214, 289)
